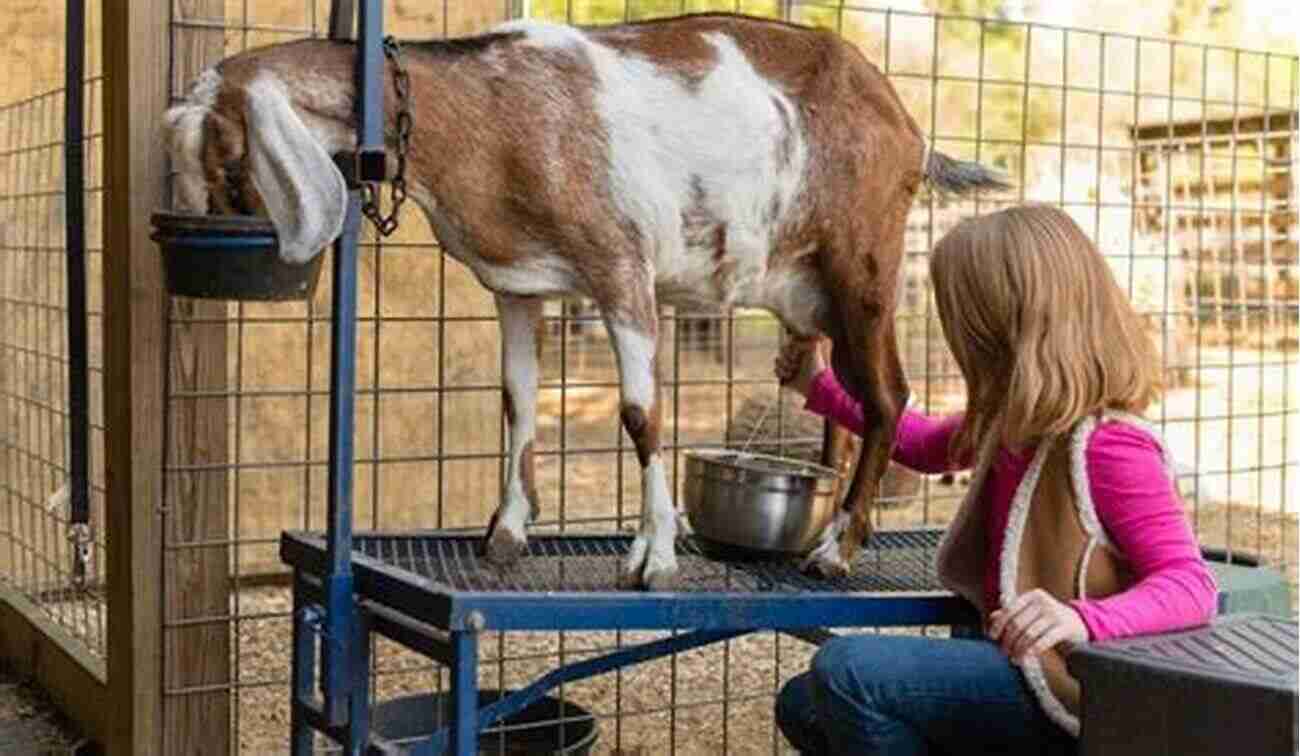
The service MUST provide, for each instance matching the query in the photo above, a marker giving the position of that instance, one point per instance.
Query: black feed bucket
(548, 727)
(229, 257)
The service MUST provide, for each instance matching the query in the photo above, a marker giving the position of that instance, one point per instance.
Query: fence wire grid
(1149, 144)
(35, 419)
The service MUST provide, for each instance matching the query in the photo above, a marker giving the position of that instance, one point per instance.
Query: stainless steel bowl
(758, 502)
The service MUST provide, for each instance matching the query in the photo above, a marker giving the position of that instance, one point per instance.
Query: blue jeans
(908, 695)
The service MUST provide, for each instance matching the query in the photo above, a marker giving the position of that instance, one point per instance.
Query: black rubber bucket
(233, 257)
(549, 726)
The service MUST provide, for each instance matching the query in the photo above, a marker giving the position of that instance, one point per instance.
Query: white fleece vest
(960, 561)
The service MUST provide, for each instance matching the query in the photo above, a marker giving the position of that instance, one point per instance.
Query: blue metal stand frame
(342, 597)
(444, 621)
(340, 628)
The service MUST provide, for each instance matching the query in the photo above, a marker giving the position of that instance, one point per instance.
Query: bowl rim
(738, 457)
(188, 223)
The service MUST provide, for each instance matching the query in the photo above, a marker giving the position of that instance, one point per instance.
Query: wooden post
(135, 93)
(196, 579)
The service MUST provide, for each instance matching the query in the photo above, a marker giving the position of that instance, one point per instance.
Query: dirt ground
(29, 721)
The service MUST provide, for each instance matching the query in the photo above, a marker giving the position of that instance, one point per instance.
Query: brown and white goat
(709, 159)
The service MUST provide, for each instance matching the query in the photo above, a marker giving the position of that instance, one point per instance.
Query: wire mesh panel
(892, 561)
(1051, 106)
(35, 420)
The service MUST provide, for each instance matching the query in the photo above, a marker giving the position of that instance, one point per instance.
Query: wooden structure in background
(1223, 192)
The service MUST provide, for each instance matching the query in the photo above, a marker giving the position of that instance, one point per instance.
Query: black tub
(234, 257)
(548, 727)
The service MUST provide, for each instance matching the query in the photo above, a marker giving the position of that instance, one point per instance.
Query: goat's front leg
(652, 561)
(507, 538)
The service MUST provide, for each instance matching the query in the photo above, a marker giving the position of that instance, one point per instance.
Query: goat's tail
(951, 176)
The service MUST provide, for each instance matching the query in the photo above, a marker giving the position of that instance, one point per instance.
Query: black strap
(78, 369)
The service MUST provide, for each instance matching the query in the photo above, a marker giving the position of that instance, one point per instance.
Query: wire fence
(246, 411)
(36, 422)
(430, 437)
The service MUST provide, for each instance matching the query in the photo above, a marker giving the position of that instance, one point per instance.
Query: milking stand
(431, 592)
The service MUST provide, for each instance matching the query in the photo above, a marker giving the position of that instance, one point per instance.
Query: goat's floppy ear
(183, 135)
(303, 191)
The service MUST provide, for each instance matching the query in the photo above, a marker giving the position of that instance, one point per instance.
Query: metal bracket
(371, 165)
(80, 536)
(362, 167)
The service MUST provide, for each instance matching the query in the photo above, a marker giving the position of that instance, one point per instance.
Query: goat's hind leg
(883, 397)
(507, 537)
(838, 448)
(886, 397)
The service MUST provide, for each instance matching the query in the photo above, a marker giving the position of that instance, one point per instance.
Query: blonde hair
(1039, 327)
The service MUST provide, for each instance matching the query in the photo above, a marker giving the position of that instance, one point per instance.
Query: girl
(1071, 531)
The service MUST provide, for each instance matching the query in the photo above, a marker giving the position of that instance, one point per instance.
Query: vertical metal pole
(359, 716)
(464, 693)
(300, 688)
(339, 607)
(75, 209)
(370, 77)
(337, 675)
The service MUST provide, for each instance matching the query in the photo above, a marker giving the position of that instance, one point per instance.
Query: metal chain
(370, 191)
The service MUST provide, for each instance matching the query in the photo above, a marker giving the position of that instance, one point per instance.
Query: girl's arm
(921, 442)
(1137, 506)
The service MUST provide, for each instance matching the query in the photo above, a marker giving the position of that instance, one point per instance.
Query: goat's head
(246, 150)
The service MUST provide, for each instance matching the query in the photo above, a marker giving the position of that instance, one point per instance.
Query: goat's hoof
(684, 529)
(828, 569)
(504, 548)
(660, 579)
(826, 562)
(848, 553)
(649, 568)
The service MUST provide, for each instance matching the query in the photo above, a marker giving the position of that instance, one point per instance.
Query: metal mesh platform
(892, 561)
(571, 582)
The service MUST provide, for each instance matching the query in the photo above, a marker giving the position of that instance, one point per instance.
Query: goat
(709, 159)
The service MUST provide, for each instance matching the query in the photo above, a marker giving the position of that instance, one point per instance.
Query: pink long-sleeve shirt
(1131, 490)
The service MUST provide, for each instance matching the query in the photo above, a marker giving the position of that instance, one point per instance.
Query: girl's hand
(799, 363)
(1033, 623)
